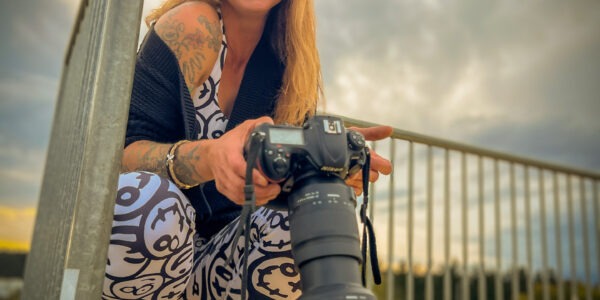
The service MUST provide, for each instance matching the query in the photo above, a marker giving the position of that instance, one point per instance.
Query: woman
(207, 73)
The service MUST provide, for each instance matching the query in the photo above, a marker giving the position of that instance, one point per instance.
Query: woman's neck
(243, 32)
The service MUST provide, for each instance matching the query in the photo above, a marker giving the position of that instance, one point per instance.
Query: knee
(273, 230)
(154, 211)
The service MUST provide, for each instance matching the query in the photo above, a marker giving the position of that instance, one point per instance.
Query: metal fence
(462, 222)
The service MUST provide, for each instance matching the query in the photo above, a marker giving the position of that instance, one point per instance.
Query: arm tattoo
(214, 33)
(150, 157)
(185, 166)
(190, 46)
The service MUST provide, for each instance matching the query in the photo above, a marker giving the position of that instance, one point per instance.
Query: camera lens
(324, 235)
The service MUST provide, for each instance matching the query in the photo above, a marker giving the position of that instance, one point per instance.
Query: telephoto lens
(324, 235)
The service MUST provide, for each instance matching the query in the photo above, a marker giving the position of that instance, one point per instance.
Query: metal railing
(481, 224)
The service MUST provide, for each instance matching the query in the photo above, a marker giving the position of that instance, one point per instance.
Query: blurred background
(514, 76)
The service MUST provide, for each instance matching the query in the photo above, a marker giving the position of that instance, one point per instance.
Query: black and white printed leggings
(155, 254)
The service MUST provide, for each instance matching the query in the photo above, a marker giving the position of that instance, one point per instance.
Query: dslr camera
(311, 163)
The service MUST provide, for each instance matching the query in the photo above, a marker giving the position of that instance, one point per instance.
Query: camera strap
(248, 208)
(368, 239)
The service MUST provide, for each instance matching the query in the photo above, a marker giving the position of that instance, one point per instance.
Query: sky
(514, 76)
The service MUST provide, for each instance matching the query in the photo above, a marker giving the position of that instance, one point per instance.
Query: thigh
(151, 246)
(271, 266)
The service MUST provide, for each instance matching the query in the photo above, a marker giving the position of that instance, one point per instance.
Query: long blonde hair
(294, 41)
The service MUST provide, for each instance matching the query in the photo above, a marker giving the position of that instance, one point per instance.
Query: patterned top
(211, 120)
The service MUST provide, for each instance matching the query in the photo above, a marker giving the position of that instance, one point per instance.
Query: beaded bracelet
(170, 166)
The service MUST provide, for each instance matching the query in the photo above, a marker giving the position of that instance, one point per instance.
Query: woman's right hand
(226, 162)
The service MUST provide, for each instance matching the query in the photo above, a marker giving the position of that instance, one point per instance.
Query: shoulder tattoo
(191, 45)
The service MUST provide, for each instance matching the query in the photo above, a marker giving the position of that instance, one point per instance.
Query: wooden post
(70, 241)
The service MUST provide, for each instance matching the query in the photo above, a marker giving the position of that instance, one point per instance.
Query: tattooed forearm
(185, 166)
(145, 156)
(150, 156)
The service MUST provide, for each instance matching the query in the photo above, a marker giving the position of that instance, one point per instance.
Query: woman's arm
(189, 164)
(193, 34)
(200, 161)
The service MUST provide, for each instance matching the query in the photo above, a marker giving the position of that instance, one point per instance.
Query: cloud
(20, 175)
(468, 70)
(16, 160)
(29, 87)
(35, 35)
(26, 109)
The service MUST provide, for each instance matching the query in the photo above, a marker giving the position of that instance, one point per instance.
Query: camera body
(311, 163)
(322, 145)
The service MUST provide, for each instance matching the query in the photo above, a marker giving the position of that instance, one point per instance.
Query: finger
(358, 178)
(248, 126)
(354, 183)
(374, 133)
(357, 191)
(380, 164)
(357, 175)
(255, 122)
(266, 194)
(373, 176)
(265, 119)
(259, 179)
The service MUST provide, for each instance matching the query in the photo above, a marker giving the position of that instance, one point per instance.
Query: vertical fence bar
(428, 279)
(482, 287)
(543, 233)
(558, 233)
(447, 287)
(573, 267)
(596, 201)
(586, 244)
(513, 226)
(499, 277)
(465, 226)
(76, 202)
(530, 270)
(390, 273)
(411, 172)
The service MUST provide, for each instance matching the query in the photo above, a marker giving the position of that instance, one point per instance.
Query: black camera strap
(248, 208)
(368, 237)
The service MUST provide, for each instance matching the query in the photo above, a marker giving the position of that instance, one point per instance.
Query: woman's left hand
(378, 163)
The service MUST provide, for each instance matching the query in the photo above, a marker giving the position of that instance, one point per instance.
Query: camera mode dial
(280, 166)
(277, 163)
(356, 141)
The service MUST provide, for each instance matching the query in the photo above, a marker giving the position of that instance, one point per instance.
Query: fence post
(68, 251)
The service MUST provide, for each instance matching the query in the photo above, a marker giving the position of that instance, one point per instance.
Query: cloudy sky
(514, 76)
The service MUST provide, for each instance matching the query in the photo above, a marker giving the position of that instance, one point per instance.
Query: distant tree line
(12, 264)
(455, 274)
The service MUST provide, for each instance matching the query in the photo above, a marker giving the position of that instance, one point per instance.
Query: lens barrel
(324, 236)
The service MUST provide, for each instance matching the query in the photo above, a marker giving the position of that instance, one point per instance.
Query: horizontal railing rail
(510, 246)
(461, 147)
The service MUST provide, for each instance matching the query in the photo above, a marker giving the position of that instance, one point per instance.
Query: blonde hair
(293, 38)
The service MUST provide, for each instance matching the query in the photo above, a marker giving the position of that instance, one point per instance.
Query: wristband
(170, 165)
